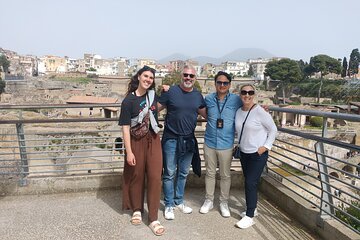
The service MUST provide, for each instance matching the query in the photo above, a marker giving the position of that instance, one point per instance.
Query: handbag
(141, 129)
(236, 150)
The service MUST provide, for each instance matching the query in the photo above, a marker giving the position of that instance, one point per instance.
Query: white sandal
(155, 226)
(136, 218)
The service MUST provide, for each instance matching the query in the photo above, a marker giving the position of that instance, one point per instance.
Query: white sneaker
(243, 214)
(184, 209)
(207, 206)
(245, 222)
(169, 213)
(224, 209)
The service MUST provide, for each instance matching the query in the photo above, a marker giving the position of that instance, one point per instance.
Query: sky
(297, 29)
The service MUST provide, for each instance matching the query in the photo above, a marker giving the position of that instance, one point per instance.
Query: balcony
(309, 189)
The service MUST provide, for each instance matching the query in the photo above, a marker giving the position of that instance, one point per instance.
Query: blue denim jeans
(252, 165)
(176, 169)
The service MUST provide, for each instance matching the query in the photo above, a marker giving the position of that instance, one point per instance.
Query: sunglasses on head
(188, 75)
(147, 68)
(220, 83)
(251, 92)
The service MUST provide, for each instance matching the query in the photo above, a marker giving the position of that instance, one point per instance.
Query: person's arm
(265, 107)
(269, 124)
(160, 107)
(163, 99)
(130, 157)
(202, 112)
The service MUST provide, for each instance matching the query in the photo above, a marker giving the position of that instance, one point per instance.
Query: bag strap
(150, 96)
(242, 128)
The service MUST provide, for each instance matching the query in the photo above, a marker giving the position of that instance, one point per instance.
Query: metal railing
(314, 164)
(323, 170)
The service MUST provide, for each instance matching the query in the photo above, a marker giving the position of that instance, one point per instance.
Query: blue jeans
(176, 169)
(252, 165)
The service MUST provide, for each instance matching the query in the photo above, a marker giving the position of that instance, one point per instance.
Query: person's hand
(265, 107)
(130, 159)
(261, 150)
(165, 88)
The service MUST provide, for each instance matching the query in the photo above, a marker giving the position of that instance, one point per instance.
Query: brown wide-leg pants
(148, 156)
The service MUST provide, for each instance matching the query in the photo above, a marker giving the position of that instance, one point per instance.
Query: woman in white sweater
(256, 130)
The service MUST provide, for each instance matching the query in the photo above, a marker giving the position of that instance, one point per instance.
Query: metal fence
(319, 165)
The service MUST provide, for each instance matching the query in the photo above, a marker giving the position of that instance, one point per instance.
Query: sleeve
(270, 126)
(164, 98)
(207, 100)
(202, 102)
(125, 113)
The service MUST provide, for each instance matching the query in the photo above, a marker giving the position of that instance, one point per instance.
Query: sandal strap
(155, 226)
(152, 224)
(137, 213)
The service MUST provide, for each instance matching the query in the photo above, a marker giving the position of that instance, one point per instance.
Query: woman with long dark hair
(138, 119)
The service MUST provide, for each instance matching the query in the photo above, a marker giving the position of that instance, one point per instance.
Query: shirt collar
(226, 96)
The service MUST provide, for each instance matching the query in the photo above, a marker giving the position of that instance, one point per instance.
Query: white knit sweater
(259, 130)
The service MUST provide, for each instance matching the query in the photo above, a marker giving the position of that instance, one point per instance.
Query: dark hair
(134, 81)
(224, 74)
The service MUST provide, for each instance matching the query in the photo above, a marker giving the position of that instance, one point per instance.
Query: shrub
(352, 210)
(316, 121)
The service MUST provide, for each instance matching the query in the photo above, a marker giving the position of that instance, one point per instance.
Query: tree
(303, 68)
(250, 71)
(91, 69)
(354, 62)
(2, 87)
(344, 68)
(4, 63)
(285, 70)
(324, 65)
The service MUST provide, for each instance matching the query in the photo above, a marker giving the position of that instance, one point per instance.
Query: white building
(258, 67)
(236, 68)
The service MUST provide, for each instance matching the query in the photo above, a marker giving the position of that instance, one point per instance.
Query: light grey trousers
(224, 157)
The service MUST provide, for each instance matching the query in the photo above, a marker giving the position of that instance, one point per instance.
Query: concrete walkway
(98, 215)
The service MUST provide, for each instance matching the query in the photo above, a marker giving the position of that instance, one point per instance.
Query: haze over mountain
(240, 54)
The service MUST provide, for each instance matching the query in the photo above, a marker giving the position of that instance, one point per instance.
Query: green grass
(293, 170)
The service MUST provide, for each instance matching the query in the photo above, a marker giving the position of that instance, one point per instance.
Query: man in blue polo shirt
(219, 141)
(183, 104)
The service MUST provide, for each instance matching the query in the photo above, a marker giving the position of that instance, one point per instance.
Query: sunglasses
(147, 68)
(220, 83)
(251, 92)
(188, 75)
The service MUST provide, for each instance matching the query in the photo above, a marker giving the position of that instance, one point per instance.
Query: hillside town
(29, 65)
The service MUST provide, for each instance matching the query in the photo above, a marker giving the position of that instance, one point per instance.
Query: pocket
(229, 112)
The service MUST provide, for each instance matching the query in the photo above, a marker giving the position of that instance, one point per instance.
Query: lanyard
(218, 105)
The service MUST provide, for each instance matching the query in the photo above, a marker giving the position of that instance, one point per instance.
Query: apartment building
(236, 68)
(148, 62)
(52, 64)
(72, 64)
(258, 67)
(208, 70)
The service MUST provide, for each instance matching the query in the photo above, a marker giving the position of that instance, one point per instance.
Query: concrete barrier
(304, 212)
(90, 182)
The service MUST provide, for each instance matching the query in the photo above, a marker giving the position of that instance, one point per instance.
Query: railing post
(24, 169)
(326, 206)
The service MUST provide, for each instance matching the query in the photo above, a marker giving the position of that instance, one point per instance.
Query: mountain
(204, 59)
(243, 54)
(172, 57)
(240, 54)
